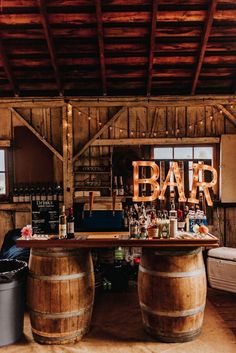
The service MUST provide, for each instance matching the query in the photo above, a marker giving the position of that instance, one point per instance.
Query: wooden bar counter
(171, 284)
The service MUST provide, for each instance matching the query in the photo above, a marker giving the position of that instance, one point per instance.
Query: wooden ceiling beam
(101, 45)
(204, 40)
(50, 43)
(8, 70)
(152, 46)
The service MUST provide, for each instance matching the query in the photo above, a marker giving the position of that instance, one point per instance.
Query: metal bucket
(12, 303)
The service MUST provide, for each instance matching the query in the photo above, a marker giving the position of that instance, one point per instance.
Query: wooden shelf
(21, 206)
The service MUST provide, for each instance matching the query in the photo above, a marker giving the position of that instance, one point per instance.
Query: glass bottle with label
(121, 186)
(62, 224)
(115, 186)
(70, 224)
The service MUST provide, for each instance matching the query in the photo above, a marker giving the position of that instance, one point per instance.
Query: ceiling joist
(152, 47)
(101, 45)
(50, 43)
(204, 41)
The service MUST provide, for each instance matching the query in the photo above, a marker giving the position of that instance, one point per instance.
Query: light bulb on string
(221, 111)
(89, 117)
(211, 117)
(154, 134)
(167, 132)
(143, 134)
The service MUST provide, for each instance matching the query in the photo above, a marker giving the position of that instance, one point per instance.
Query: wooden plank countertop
(114, 239)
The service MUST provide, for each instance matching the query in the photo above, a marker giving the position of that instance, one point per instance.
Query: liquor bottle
(33, 193)
(27, 194)
(126, 218)
(70, 224)
(43, 194)
(37, 196)
(121, 186)
(21, 194)
(60, 193)
(50, 194)
(15, 195)
(115, 186)
(62, 224)
(55, 196)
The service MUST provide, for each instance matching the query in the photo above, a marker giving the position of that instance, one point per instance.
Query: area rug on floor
(117, 328)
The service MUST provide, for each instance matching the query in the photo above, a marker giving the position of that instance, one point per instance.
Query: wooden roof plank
(8, 70)
(205, 36)
(50, 43)
(101, 45)
(152, 46)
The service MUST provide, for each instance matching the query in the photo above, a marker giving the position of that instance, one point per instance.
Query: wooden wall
(135, 121)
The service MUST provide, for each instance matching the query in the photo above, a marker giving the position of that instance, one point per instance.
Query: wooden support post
(67, 139)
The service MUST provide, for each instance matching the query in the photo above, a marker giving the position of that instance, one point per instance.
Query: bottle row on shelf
(37, 192)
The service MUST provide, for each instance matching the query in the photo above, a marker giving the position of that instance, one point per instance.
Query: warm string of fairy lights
(144, 134)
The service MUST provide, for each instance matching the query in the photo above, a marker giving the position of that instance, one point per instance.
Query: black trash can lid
(11, 269)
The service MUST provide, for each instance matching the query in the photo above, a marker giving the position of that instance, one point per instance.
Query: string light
(154, 134)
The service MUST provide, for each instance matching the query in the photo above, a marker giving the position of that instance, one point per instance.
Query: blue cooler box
(102, 220)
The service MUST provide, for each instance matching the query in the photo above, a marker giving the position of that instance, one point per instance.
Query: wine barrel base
(172, 293)
(169, 337)
(60, 294)
(59, 340)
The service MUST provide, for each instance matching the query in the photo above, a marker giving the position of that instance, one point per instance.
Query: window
(187, 155)
(3, 188)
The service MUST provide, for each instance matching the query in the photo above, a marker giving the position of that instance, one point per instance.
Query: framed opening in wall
(186, 156)
(3, 174)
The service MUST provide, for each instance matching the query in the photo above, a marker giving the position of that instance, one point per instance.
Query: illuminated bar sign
(173, 170)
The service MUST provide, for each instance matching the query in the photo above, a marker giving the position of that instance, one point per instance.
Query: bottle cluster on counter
(147, 222)
(37, 192)
(66, 224)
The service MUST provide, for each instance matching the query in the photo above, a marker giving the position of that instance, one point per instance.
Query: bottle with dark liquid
(115, 186)
(70, 224)
(62, 224)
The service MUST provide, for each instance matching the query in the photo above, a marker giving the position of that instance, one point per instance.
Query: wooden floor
(225, 304)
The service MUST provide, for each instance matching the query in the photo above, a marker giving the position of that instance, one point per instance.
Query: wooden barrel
(60, 294)
(172, 293)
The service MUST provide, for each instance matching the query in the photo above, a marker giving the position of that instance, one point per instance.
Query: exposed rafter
(152, 47)
(8, 70)
(50, 43)
(101, 45)
(205, 36)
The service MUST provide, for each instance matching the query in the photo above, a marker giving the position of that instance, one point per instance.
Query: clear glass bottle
(62, 224)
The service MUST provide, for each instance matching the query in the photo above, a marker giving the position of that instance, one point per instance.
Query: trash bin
(12, 300)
